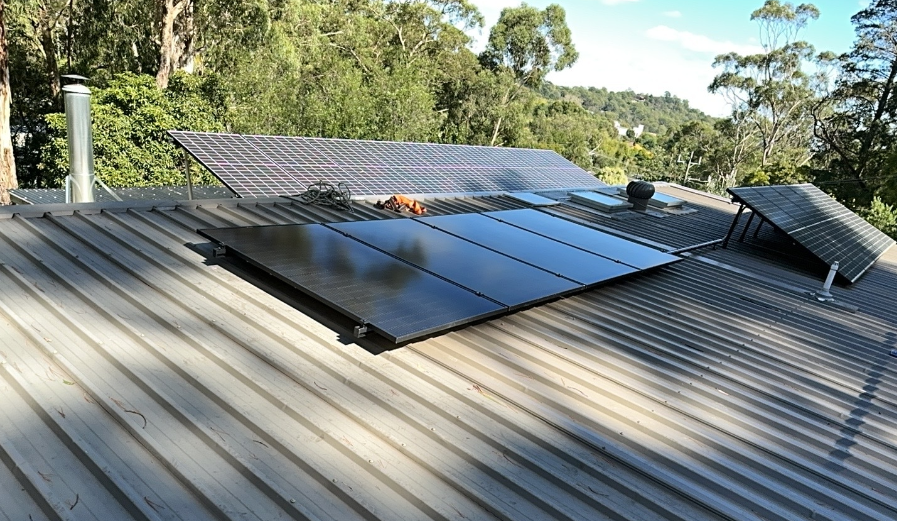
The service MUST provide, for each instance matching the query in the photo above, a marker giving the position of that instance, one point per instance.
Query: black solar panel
(254, 166)
(407, 278)
(593, 241)
(819, 223)
(550, 255)
(478, 269)
(397, 299)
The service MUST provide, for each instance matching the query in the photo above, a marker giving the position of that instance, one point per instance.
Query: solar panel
(588, 239)
(241, 167)
(555, 257)
(254, 166)
(819, 223)
(476, 268)
(407, 278)
(398, 300)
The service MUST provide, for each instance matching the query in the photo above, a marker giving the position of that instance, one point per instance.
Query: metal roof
(149, 193)
(143, 379)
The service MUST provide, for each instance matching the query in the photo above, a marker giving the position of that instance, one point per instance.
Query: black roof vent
(640, 192)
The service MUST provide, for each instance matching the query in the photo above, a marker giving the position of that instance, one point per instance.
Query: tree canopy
(404, 70)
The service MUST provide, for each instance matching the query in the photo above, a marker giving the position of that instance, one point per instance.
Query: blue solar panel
(822, 225)
(256, 166)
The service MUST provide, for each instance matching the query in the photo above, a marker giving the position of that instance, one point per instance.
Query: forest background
(404, 70)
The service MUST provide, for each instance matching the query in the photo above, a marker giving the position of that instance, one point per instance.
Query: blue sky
(652, 46)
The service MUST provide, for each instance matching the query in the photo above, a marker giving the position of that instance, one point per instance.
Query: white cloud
(698, 42)
(616, 2)
(673, 14)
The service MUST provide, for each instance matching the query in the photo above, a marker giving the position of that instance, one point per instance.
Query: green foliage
(130, 118)
(365, 69)
(770, 90)
(776, 174)
(569, 130)
(855, 120)
(659, 114)
(530, 43)
(882, 216)
(613, 175)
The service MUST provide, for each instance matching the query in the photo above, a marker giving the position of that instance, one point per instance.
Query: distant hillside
(656, 113)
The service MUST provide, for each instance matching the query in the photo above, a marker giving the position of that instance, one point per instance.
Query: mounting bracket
(361, 330)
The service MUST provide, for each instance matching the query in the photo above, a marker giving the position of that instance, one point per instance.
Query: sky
(654, 46)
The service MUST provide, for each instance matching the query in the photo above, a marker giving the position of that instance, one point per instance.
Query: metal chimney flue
(80, 140)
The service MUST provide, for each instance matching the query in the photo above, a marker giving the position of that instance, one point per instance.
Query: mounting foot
(219, 251)
(361, 330)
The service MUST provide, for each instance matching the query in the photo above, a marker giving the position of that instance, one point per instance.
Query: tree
(7, 161)
(43, 19)
(770, 90)
(187, 28)
(881, 215)
(130, 119)
(855, 122)
(527, 44)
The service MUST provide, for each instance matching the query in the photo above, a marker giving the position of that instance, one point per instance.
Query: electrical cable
(339, 196)
(845, 181)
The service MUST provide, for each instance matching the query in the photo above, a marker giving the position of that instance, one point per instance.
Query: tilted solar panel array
(407, 278)
(260, 166)
(819, 223)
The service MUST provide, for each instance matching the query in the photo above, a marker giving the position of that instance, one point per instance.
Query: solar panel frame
(376, 168)
(819, 223)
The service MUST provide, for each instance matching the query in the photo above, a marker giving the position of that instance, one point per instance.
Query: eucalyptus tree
(7, 161)
(525, 45)
(770, 91)
(855, 124)
(213, 29)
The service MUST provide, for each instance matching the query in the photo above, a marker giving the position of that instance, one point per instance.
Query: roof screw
(824, 295)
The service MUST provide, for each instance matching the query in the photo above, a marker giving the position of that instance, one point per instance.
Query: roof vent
(639, 193)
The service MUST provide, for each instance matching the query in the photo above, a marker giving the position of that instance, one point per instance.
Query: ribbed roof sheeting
(674, 231)
(142, 380)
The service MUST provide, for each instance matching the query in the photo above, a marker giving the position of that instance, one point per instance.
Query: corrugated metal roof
(142, 379)
(149, 193)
